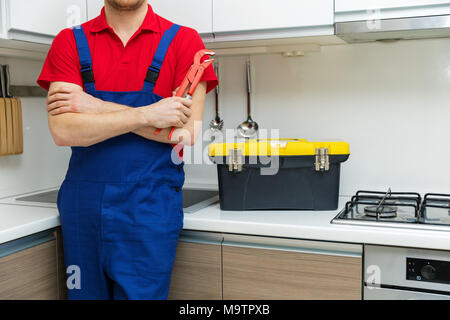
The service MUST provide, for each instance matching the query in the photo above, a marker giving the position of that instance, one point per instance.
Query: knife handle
(2, 82)
(7, 81)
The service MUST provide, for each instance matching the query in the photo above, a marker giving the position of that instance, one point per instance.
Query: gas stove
(397, 209)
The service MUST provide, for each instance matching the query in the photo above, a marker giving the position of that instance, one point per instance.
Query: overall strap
(85, 58)
(158, 59)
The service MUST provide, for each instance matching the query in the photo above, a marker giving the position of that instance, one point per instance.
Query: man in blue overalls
(121, 203)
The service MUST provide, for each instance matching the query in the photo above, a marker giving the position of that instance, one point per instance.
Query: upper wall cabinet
(197, 14)
(263, 19)
(41, 20)
(351, 10)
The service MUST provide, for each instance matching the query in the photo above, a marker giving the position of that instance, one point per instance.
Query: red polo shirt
(123, 68)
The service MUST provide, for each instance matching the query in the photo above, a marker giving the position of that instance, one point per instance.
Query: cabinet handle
(294, 245)
(293, 249)
(201, 237)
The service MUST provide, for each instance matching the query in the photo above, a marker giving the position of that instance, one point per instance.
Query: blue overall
(121, 202)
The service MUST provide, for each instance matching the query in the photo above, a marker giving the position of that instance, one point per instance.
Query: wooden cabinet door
(197, 273)
(30, 273)
(257, 15)
(255, 271)
(41, 20)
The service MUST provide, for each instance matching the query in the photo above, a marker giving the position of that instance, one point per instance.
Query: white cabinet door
(94, 7)
(195, 14)
(41, 20)
(259, 15)
(350, 10)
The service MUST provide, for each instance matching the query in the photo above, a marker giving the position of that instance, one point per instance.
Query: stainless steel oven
(395, 273)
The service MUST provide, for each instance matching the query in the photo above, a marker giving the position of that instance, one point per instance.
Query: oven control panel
(428, 270)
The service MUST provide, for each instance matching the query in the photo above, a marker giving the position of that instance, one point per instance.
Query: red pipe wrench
(193, 78)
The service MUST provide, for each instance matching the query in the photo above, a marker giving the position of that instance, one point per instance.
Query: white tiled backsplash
(390, 101)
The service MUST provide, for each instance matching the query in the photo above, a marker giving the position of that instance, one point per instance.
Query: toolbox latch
(235, 160)
(322, 160)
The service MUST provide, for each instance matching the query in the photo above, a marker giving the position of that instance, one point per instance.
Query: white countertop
(18, 221)
(311, 225)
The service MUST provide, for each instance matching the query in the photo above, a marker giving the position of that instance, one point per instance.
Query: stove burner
(381, 212)
(405, 209)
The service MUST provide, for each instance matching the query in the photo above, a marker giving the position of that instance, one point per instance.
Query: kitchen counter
(311, 225)
(18, 221)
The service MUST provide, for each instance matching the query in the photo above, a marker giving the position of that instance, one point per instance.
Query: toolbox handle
(278, 143)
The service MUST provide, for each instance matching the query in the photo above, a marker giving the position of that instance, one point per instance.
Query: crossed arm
(79, 119)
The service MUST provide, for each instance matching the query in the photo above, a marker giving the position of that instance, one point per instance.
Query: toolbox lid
(278, 147)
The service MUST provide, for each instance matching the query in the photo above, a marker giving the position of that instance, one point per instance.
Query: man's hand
(169, 112)
(83, 124)
(71, 99)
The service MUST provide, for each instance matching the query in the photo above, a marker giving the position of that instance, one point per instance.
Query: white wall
(391, 102)
(42, 165)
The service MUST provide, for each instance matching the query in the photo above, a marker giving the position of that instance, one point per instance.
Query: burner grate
(398, 207)
(385, 206)
(434, 203)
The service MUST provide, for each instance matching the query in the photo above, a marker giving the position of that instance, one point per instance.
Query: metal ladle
(248, 128)
(217, 124)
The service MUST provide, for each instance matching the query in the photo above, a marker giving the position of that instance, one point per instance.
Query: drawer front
(30, 273)
(197, 273)
(276, 268)
(250, 273)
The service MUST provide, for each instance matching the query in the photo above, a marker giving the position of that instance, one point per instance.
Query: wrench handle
(174, 128)
(191, 81)
(183, 87)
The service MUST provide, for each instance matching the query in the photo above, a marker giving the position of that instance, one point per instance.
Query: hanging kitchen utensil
(217, 124)
(248, 128)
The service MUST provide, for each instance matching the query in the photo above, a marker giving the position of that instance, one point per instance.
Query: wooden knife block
(11, 130)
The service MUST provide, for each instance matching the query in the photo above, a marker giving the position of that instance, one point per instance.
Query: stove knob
(428, 272)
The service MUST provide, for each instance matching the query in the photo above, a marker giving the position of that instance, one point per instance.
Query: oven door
(396, 273)
(395, 294)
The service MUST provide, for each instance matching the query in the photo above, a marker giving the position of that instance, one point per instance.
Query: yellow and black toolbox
(286, 174)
